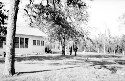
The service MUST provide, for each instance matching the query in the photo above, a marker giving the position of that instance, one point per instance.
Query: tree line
(105, 44)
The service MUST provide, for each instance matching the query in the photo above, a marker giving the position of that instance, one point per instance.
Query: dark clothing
(75, 48)
(4, 54)
(48, 50)
(70, 50)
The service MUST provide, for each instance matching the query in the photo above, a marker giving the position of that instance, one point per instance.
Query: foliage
(112, 44)
(3, 16)
(122, 19)
(122, 42)
(59, 18)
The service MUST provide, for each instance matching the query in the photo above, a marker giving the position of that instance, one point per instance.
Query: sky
(104, 14)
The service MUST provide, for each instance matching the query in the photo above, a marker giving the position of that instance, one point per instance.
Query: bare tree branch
(29, 16)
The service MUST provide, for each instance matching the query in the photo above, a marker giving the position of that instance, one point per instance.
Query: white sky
(103, 14)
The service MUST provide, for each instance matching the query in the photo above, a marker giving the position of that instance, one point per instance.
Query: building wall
(31, 48)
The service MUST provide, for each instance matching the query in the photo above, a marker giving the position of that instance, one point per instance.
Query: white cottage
(27, 41)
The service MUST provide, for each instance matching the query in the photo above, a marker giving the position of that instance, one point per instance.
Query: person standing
(70, 50)
(75, 48)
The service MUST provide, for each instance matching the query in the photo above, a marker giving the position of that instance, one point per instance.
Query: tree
(11, 29)
(60, 20)
(3, 17)
(122, 19)
(122, 41)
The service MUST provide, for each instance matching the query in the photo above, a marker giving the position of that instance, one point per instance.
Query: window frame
(22, 42)
(34, 42)
(17, 43)
(42, 43)
(1, 44)
(38, 42)
(25, 42)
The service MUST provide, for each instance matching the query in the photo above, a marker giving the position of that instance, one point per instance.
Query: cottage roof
(30, 31)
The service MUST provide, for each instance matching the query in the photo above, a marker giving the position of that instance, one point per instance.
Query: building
(27, 41)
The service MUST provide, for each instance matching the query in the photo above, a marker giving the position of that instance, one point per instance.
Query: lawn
(83, 67)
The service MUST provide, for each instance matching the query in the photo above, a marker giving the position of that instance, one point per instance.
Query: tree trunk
(63, 46)
(75, 53)
(104, 49)
(98, 50)
(123, 53)
(11, 29)
(47, 2)
(114, 52)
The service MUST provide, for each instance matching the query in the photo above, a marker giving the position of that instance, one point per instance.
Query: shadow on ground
(105, 65)
(94, 63)
(60, 57)
(102, 56)
(19, 73)
(41, 58)
(75, 60)
(121, 62)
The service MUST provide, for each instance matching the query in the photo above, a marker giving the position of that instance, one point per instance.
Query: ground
(55, 67)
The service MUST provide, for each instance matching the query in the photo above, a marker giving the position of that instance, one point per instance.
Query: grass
(67, 68)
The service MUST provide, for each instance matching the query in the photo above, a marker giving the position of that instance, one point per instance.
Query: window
(34, 42)
(42, 43)
(21, 42)
(26, 42)
(1, 44)
(16, 42)
(38, 42)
